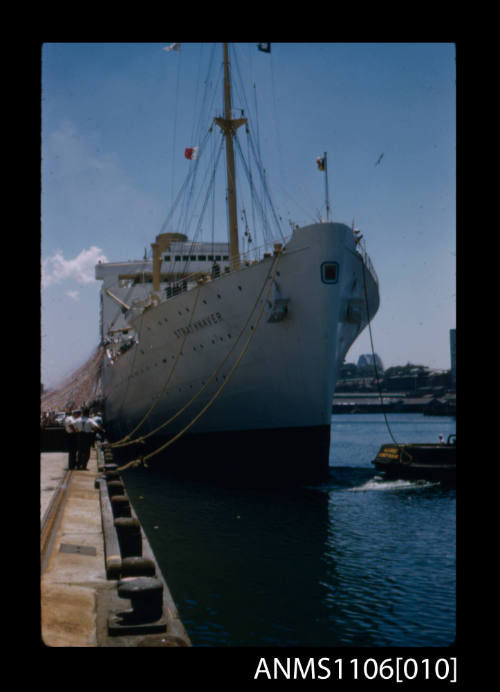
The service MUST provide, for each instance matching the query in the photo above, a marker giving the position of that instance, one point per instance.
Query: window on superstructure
(202, 258)
(177, 258)
(167, 258)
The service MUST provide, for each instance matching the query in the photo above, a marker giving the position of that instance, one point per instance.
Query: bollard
(146, 616)
(138, 567)
(146, 596)
(112, 475)
(128, 530)
(121, 506)
(107, 466)
(116, 488)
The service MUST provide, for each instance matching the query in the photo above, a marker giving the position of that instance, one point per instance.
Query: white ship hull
(271, 413)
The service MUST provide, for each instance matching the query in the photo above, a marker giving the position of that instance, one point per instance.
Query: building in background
(368, 359)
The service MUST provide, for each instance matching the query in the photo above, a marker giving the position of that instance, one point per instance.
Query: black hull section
(253, 458)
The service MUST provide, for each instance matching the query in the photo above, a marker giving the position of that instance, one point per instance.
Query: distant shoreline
(360, 402)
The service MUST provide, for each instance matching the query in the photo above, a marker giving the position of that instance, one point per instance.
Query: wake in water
(358, 479)
(380, 483)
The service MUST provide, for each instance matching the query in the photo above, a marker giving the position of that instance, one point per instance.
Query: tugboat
(423, 461)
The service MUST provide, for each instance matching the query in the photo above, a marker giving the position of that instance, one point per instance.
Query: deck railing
(249, 257)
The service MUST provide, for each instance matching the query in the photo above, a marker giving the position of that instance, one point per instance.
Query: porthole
(329, 272)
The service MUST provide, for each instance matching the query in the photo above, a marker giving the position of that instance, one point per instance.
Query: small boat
(424, 461)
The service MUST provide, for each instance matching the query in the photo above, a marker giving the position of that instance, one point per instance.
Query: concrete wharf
(100, 583)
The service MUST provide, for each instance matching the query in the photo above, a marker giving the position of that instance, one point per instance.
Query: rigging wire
(254, 197)
(210, 187)
(278, 138)
(373, 357)
(264, 183)
(255, 147)
(206, 108)
(250, 158)
(174, 133)
(132, 365)
(213, 202)
(127, 296)
(271, 274)
(214, 373)
(186, 194)
(162, 391)
(126, 440)
(196, 92)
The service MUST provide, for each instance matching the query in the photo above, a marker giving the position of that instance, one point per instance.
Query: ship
(224, 361)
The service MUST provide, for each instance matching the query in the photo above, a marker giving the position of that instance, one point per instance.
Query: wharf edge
(100, 583)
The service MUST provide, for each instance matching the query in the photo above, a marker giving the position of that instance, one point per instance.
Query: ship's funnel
(163, 242)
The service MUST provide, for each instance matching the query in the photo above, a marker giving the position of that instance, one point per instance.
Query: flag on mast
(321, 161)
(191, 152)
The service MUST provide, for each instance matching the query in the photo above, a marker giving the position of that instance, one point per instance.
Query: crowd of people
(82, 427)
(51, 419)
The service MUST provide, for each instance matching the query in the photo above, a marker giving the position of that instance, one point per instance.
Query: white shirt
(78, 423)
(68, 421)
(84, 424)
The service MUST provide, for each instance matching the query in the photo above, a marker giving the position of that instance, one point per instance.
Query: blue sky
(116, 118)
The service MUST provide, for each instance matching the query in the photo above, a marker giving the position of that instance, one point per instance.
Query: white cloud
(73, 294)
(57, 269)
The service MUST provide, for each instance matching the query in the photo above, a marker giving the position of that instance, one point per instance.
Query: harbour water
(357, 561)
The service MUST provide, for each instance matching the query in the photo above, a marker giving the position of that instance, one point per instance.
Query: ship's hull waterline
(266, 372)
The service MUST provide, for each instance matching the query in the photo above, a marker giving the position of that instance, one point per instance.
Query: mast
(229, 126)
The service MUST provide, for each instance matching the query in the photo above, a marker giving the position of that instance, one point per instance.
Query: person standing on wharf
(69, 426)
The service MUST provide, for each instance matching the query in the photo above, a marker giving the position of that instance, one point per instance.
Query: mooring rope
(401, 448)
(142, 460)
(126, 440)
(143, 438)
